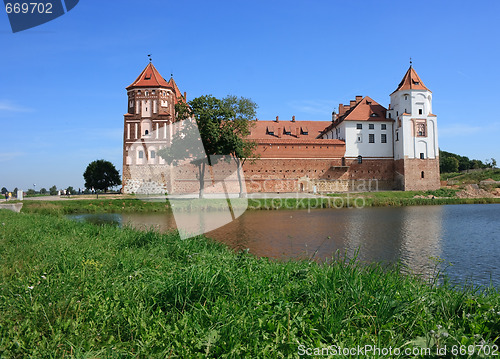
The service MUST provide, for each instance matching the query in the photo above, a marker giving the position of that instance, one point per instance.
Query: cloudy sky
(62, 94)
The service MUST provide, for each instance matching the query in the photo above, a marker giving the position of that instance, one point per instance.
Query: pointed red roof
(411, 81)
(149, 77)
(177, 92)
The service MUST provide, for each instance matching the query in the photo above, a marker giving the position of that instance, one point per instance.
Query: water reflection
(466, 236)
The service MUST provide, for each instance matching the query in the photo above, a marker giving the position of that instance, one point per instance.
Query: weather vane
(150, 59)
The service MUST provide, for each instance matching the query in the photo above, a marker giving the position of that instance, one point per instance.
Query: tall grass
(76, 290)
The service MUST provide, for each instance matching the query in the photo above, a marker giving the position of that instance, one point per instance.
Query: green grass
(368, 199)
(473, 177)
(76, 290)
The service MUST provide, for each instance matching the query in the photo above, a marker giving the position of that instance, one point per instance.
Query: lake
(462, 241)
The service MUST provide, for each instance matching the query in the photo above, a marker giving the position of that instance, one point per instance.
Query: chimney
(358, 98)
(279, 131)
(297, 131)
(293, 118)
(341, 109)
(256, 119)
(185, 96)
(353, 103)
(277, 119)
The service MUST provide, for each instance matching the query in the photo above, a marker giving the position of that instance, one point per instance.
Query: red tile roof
(299, 141)
(150, 77)
(411, 81)
(366, 109)
(306, 129)
(177, 92)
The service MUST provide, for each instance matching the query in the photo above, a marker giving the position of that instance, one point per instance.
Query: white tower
(416, 151)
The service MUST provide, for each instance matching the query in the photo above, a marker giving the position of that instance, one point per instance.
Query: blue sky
(62, 94)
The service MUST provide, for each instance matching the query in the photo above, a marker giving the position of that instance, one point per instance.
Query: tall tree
(53, 190)
(101, 175)
(222, 125)
(235, 132)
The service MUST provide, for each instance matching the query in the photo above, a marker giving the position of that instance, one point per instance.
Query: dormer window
(147, 77)
(270, 131)
(304, 131)
(374, 115)
(416, 82)
(287, 130)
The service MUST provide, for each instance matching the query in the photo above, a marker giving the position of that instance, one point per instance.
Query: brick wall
(417, 174)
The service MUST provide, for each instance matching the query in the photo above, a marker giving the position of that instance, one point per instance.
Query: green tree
(14, 193)
(4, 190)
(70, 190)
(43, 191)
(30, 192)
(448, 165)
(234, 135)
(222, 126)
(101, 175)
(53, 190)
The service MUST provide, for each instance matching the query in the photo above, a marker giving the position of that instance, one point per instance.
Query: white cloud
(8, 106)
(467, 130)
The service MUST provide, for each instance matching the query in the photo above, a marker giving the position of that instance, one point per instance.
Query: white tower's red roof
(411, 81)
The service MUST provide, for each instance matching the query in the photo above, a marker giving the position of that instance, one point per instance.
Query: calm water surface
(466, 238)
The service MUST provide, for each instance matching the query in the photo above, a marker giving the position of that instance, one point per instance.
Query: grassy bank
(81, 291)
(355, 200)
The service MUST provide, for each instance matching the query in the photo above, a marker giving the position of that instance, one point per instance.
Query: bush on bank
(77, 290)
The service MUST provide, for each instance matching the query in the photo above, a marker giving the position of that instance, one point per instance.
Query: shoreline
(128, 205)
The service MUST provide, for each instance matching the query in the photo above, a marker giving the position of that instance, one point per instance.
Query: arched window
(146, 132)
(360, 159)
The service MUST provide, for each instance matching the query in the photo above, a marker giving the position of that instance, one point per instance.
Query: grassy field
(472, 177)
(75, 290)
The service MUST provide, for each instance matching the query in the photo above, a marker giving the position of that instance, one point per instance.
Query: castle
(365, 146)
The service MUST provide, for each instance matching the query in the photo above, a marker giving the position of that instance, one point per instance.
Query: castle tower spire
(416, 151)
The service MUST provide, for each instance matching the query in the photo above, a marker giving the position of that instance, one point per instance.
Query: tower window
(147, 93)
(397, 135)
(422, 174)
(406, 97)
(141, 154)
(371, 138)
(371, 126)
(359, 126)
(420, 111)
(146, 132)
(422, 157)
(360, 139)
(383, 138)
(360, 159)
(383, 126)
(389, 115)
(153, 154)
